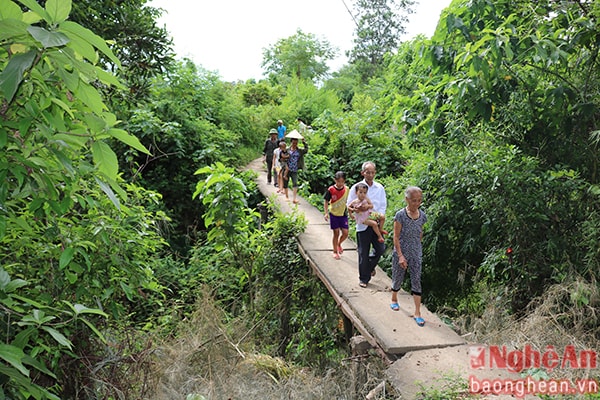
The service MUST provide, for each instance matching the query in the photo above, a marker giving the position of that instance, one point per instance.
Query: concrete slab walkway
(395, 332)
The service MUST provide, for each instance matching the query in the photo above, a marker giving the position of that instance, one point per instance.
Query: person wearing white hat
(281, 129)
(295, 162)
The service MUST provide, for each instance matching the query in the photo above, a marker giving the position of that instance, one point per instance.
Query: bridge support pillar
(348, 328)
(360, 353)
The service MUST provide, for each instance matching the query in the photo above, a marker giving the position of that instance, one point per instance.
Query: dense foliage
(504, 122)
(301, 56)
(379, 26)
(143, 48)
(191, 119)
(113, 223)
(75, 240)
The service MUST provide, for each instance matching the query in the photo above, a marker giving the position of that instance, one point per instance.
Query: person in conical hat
(294, 135)
(295, 162)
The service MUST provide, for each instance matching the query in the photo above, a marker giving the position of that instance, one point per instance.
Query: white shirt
(301, 127)
(276, 157)
(376, 193)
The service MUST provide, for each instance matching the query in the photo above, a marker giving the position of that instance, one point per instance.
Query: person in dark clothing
(270, 145)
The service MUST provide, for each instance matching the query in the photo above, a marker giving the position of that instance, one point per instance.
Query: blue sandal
(395, 306)
(420, 321)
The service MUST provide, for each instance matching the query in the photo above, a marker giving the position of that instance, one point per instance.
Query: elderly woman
(296, 161)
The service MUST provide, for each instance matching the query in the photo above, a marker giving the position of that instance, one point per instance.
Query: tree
(379, 25)
(191, 119)
(501, 84)
(302, 56)
(231, 224)
(71, 233)
(144, 49)
(344, 82)
(259, 93)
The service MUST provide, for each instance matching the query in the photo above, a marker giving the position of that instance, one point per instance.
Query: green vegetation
(379, 27)
(138, 259)
(302, 56)
(453, 387)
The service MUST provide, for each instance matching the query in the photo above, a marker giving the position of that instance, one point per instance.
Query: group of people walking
(283, 162)
(366, 203)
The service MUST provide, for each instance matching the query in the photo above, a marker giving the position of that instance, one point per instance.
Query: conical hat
(294, 135)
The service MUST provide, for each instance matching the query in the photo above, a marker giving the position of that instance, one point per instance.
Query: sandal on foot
(362, 284)
(395, 306)
(340, 250)
(336, 256)
(420, 321)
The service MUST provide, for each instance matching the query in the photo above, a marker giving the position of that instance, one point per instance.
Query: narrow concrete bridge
(415, 353)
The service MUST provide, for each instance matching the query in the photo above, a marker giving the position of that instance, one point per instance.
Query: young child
(277, 169)
(284, 156)
(281, 187)
(367, 217)
(408, 249)
(336, 212)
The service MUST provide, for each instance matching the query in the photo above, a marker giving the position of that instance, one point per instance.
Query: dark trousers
(367, 262)
(269, 162)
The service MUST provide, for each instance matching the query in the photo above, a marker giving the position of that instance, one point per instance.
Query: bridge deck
(395, 332)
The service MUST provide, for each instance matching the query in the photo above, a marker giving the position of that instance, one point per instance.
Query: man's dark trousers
(366, 262)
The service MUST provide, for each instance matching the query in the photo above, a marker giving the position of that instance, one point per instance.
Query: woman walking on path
(295, 162)
(408, 249)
